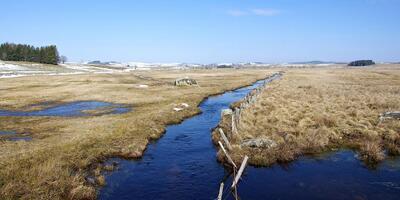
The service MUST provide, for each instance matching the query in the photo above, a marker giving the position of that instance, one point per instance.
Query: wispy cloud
(265, 12)
(237, 13)
(255, 11)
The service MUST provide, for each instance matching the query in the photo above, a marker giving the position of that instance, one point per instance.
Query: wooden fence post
(221, 132)
(234, 130)
(241, 169)
(221, 190)
(227, 155)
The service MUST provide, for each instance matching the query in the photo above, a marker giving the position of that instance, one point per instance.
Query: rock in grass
(390, 115)
(178, 109)
(91, 180)
(226, 112)
(185, 105)
(185, 82)
(259, 143)
(131, 155)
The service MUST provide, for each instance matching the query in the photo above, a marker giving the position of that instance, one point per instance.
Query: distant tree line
(29, 53)
(362, 63)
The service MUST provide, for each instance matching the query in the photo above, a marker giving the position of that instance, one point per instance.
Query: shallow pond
(73, 109)
(13, 136)
(7, 132)
(182, 165)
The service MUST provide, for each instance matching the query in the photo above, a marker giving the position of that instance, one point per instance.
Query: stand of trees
(362, 63)
(23, 52)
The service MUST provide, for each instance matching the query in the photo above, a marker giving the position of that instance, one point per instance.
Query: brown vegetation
(315, 110)
(56, 163)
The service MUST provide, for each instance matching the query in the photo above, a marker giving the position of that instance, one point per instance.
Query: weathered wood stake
(228, 145)
(241, 169)
(226, 154)
(221, 190)
(234, 130)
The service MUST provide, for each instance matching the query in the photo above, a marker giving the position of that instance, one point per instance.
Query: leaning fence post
(226, 154)
(221, 190)
(241, 169)
(234, 130)
(225, 139)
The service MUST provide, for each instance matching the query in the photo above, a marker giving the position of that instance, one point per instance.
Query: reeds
(310, 111)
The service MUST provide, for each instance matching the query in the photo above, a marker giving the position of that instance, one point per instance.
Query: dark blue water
(13, 136)
(182, 165)
(74, 109)
(339, 175)
(7, 132)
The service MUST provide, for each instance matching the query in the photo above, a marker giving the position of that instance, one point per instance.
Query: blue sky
(207, 31)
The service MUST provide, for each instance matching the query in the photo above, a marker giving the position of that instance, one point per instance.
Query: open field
(314, 110)
(12, 69)
(55, 163)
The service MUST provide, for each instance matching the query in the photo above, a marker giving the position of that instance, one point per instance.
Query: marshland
(57, 161)
(200, 100)
(305, 112)
(311, 111)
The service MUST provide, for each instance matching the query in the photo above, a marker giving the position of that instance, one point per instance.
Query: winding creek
(182, 165)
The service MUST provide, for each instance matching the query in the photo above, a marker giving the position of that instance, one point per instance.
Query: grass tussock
(310, 111)
(64, 159)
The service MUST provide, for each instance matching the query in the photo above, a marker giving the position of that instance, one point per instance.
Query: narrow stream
(182, 165)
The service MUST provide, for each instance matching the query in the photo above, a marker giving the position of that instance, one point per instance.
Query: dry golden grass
(314, 110)
(65, 151)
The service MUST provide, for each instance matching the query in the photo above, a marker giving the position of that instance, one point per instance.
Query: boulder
(259, 143)
(178, 109)
(226, 112)
(185, 82)
(390, 115)
(185, 105)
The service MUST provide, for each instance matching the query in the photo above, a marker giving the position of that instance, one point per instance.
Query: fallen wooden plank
(221, 132)
(241, 169)
(226, 154)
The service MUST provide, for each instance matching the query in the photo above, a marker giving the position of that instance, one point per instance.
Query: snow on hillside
(11, 67)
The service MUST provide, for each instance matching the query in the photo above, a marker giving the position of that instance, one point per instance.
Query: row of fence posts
(249, 100)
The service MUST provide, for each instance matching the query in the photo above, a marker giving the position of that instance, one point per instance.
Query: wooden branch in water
(226, 154)
(221, 190)
(228, 145)
(241, 169)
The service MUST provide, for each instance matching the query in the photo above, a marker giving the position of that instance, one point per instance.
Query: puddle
(7, 133)
(20, 138)
(14, 136)
(74, 109)
(182, 165)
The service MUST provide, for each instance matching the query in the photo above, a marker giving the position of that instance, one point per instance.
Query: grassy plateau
(65, 151)
(314, 110)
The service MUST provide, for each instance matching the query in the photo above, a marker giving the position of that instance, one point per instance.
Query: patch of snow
(33, 71)
(142, 86)
(78, 67)
(185, 105)
(11, 76)
(64, 74)
(128, 70)
(225, 64)
(178, 109)
(11, 67)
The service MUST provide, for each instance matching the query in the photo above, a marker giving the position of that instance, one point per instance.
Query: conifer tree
(29, 53)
